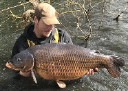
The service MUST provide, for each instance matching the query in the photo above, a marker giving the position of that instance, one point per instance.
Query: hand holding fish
(25, 73)
(91, 71)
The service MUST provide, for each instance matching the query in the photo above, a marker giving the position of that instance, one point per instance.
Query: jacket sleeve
(64, 37)
(20, 45)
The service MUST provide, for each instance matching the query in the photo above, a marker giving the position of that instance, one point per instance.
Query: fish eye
(18, 59)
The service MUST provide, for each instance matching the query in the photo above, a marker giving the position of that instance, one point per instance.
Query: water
(110, 39)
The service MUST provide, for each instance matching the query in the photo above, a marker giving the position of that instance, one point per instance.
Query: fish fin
(96, 51)
(117, 62)
(33, 76)
(61, 84)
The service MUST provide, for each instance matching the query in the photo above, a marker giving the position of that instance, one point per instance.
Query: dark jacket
(22, 44)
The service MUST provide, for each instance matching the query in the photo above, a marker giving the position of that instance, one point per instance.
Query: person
(42, 31)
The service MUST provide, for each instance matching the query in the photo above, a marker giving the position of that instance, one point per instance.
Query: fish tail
(114, 66)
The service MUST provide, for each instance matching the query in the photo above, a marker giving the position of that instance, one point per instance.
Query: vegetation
(77, 13)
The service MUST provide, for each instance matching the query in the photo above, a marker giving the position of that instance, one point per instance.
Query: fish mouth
(12, 66)
(8, 65)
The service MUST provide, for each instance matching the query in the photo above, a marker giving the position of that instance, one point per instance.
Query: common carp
(64, 61)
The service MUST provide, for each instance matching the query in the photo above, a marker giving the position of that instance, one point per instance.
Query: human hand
(27, 73)
(91, 71)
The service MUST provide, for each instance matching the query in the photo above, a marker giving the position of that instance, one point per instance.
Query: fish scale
(64, 61)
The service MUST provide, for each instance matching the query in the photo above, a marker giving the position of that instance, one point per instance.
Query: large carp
(64, 61)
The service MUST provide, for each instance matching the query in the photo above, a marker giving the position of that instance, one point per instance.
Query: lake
(110, 39)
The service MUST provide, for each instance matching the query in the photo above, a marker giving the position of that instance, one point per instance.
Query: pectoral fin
(33, 76)
(61, 84)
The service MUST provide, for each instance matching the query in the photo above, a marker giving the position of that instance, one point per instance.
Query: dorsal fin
(95, 51)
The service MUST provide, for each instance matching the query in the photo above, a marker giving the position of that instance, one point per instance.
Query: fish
(59, 62)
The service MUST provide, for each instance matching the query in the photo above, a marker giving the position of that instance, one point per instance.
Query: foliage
(71, 13)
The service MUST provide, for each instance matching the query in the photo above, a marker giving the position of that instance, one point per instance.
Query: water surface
(111, 39)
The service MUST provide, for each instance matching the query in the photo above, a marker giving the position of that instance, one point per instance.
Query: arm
(64, 37)
(20, 45)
